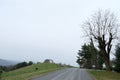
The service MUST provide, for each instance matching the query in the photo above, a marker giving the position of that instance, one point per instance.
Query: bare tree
(102, 29)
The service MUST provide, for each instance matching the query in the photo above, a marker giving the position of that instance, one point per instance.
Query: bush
(30, 63)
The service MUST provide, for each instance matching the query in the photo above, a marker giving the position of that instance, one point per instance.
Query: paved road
(67, 74)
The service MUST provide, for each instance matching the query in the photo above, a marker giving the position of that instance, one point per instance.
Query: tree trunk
(107, 63)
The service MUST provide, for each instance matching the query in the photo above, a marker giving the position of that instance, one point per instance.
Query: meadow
(30, 71)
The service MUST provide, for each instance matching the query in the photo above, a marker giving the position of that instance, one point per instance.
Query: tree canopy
(102, 28)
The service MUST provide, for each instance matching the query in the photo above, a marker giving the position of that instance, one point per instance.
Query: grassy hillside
(30, 71)
(105, 75)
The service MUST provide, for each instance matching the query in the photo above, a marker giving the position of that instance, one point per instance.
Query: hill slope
(7, 62)
(30, 71)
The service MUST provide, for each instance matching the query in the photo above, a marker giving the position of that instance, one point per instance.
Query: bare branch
(102, 27)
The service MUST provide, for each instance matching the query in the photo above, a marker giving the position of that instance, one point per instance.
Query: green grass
(105, 75)
(30, 71)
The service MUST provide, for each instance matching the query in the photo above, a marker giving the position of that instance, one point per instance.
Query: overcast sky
(46, 29)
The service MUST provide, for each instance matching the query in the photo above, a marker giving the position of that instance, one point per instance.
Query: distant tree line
(23, 64)
(60, 64)
(17, 66)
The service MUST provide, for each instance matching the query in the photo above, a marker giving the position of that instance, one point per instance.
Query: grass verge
(105, 75)
(30, 71)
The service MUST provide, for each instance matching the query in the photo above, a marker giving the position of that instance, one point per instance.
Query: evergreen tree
(117, 60)
(88, 56)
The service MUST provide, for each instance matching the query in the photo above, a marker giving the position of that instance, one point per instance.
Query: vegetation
(48, 61)
(88, 56)
(102, 28)
(85, 57)
(3, 68)
(117, 60)
(20, 65)
(105, 75)
(30, 71)
(17, 66)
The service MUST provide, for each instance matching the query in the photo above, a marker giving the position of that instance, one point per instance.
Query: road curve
(67, 74)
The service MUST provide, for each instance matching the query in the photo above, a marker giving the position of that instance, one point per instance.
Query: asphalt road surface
(67, 74)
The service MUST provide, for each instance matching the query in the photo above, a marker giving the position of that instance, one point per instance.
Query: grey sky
(39, 29)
